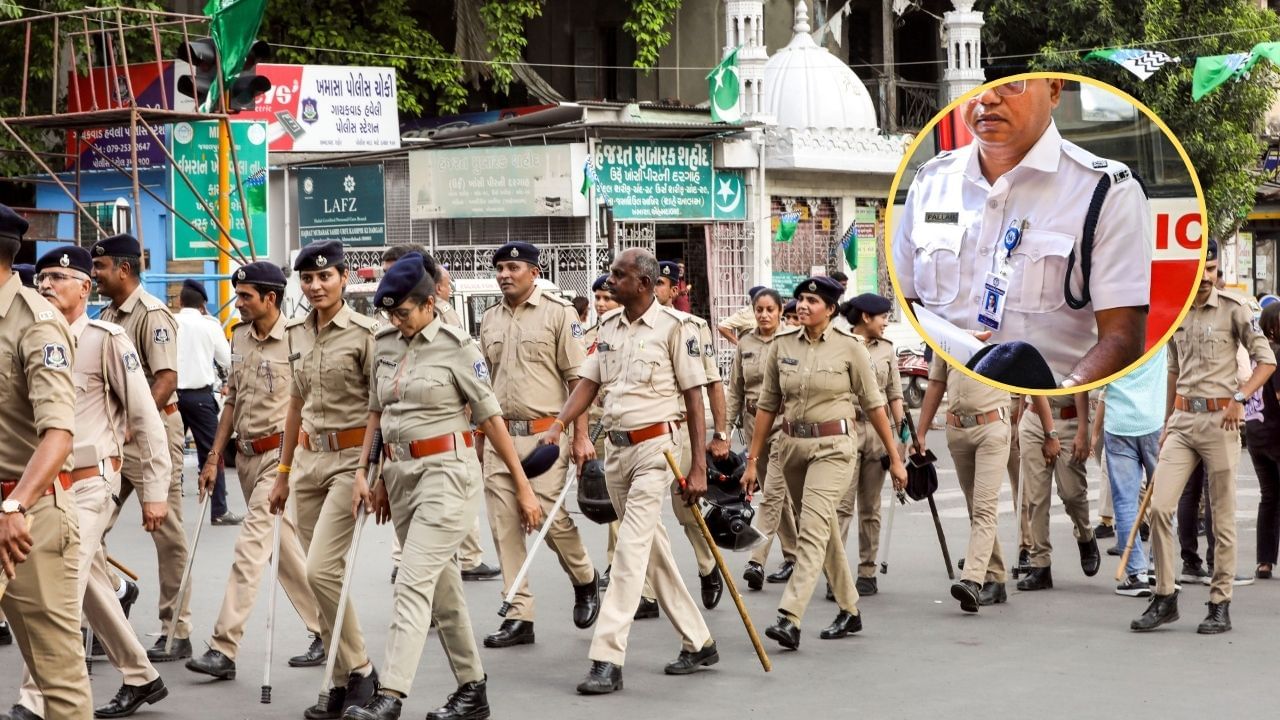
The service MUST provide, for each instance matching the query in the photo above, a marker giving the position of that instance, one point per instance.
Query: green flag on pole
(234, 25)
(849, 243)
(1212, 71)
(787, 224)
(724, 90)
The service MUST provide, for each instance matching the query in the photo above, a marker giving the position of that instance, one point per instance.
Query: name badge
(991, 308)
(942, 218)
(790, 361)
(295, 356)
(602, 346)
(237, 357)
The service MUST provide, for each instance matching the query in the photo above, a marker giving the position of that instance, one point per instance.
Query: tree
(1220, 133)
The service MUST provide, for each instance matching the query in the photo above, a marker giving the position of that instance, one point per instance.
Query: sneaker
(1133, 586)
(1104, 530)
(227, 518)
(1195, 573)
(1242, 580)
(1149, 578)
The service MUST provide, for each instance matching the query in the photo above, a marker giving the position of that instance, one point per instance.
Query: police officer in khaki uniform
(978, 439)
(331, 356)
(117, 264)
(647, 356)
(39, 528)
(777, 514)
(813, 377)
(533, 344)
(257, 400)
(112, 400)
(1205, 409)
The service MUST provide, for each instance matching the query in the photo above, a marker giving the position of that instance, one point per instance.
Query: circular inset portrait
(1046, 233)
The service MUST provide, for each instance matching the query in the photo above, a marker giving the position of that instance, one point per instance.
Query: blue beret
(12, 225)
(400, 279)
(1211, 250)
(822, 286)
(517, 251)
(1013, 363)
(789, 308)
(67, 256)
(123, 245)
(540, 460)
(197, 286)
(599, 283)
(26, 273)
(259, 273)
(321, 255)
(751, 294)
(669, 270)
(871, 303)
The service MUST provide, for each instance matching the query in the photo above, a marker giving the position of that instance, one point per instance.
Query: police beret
(197, 286)
(1211, 250)
(122, 245)
(517, 251)
(12, 225)
(73, 257)
(259, 273)
(540, 460)
(871, 303)
(669, 270)
(321, 255)
(751, 294)
(1013, 363)
(822, 286)
(789, 308)
(26, 273)
(599, 283)
(400, 279)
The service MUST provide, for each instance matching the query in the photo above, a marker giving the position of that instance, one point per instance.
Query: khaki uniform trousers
(776, 515)
(818, 473)
(252, 555)
(470, 554)
(171, 538)
(979, 454)
(321, 483)
(504, 521)
(43, 607)
(1073, 487)
(647, 593)
(865, 492)
(1191, 438)
(94, 506)
(434, 504)
(639, 479)
(685, 513)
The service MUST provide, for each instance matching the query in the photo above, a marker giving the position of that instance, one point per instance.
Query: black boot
(512, 632)
(866, 586)
(312, 657)
(604, 579)
(361, 689)
(784, 632)
(754, 575)
(1163, 609)
(379, 707)
(712, 588)
(647, 609)
(689, 661)
(586, 602)
(992, 593)
(131, 697)
(20, 712)
(1090, 558)
(845, 624)
(469, 702)
(602, 679)
(967, 592)
(783, 573)
(329, 708)
(214, 664)
(1218, 620)
(181, 649)
(6, 635)
(130, 596)
(1039, 578)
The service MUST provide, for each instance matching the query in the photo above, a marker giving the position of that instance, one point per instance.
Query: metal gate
(816, 241)
(729, 249)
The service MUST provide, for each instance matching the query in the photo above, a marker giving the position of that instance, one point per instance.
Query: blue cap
(751, 294)
(789, 308)
(26, 273)
(1211, 250)
(122, 245)
(669, 270)
(540, 460)
(1013, 363)
(599, 283)
(517, 251)
(321, 255)
(73, 257)
(400, 279)
(871, 303)
(197, 286)
(12, 225)
(822, 286)
(259, 273)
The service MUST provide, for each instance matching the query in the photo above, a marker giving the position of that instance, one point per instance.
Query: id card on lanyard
(996, 288)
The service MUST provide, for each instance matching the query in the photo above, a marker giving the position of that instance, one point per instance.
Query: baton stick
(122, 568)
(271, 611)
(185, 585)
(1133, 531)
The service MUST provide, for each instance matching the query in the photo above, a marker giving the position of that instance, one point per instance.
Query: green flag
(724, 90)
(587, 182)
(234, 25)
(1214, 70)
(787, 227)
(1268, 50)
(255, 191)
(850, 245)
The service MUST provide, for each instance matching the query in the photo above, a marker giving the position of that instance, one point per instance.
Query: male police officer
(532, 342)
(1205, 408)
(117, 264)
(1006, 216)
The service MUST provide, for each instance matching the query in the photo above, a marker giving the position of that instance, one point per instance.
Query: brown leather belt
(422, 448)
(332, 441)
(1190, 404)
(92, 471)
(523, 428)
(7, 486)
(258, 446)
(627, 438)
(752, 408)
(1068, 413)
(815, 430)
(967, 421)
(170, 409)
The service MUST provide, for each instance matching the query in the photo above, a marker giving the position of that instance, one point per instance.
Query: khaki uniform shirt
(589, 338)
(818, 381)
(113, 399)
(258, 386)
(884, 361)
(1203, 348)
(331, 368)
(36, 388)
(447, 313)
(533, 351)
(966, 396)
(153, 330)
(746, 379)
(644, 366)
(422, 384)
(741, 321)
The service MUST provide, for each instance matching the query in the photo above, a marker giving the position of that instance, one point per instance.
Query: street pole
(224, 214)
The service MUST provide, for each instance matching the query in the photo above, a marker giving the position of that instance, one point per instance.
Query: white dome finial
(802, 18)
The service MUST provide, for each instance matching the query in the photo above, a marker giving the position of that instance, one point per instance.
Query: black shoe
(866, 586)
(784, 632)
(314, 655)
(783, 573)
(754, 575)
(966, 591)
(20, 712)
(831, 595)
(361, 689)
(379, 707)
(130, 596)
(181, 649)
(214, 664)
(511, 632)
(481, 572)
(992, 593)
(330, 708)
(131, 697)
(1038, 578)
(469, 702)
(1218, 620)
(395, 572)
(602, 679)
(845, 624)
(1163, 609)
(1090, 559)
(1194, 572)
(1024, 563)
(647, 610)
(604, 579)
(1104, 531)
(227, 518)
(1144, 531)
(712, 589)
(6, 635)
(688, 662)
(586, 602)
(1115, 551)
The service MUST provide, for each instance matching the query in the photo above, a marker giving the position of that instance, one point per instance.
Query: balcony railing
(916, 104)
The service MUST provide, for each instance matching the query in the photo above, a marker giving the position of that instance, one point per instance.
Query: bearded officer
(532, 342)
(117, 264)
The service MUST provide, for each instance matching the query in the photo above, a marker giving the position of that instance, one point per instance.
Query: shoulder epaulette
(111, 328)
(385, 330)
(365, 321)
(456, 333)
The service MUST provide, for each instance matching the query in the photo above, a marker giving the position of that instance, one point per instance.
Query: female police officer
(814, 376)
(424, 374)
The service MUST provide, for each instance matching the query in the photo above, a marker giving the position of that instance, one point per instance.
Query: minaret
(962, 38)
(744, 29)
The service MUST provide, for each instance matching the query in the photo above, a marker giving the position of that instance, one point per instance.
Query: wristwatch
(1053, 434)
(8, 507)
(1239, 397)
(717, 435)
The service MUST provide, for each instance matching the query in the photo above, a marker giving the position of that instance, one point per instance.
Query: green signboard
(667, 180)
(785, 282)
(343, 204)
(195, 149)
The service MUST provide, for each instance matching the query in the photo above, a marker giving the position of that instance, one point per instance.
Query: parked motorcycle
(915, 374)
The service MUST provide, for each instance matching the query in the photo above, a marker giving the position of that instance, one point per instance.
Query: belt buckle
(620, 438)
(1199, 405)
(518, 427)
(245, 447)
(803, 430)
(968, 421)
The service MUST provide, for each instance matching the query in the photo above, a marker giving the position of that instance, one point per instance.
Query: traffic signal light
(202, 56)
(248, 85)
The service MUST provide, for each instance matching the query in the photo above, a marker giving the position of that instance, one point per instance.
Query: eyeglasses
(1012, 88)
(54, 277)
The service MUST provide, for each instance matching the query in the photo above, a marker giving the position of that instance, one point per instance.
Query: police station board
(528, 181)
(195, 150)
(667, 180)
(344, 204)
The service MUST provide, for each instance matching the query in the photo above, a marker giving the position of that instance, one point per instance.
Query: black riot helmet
(724, 477)
(730, 524)
(593, 495)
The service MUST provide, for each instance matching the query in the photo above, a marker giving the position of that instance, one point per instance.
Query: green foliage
(505, 21)
(648, 24)
(1220, 133)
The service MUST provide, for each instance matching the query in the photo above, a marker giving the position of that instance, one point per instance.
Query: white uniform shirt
(950, 235)
(200, 345)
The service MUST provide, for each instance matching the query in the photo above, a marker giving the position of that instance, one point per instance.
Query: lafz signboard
(344, 204)
(667, 180)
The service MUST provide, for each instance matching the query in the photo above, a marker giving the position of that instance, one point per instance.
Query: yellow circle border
(926, 133)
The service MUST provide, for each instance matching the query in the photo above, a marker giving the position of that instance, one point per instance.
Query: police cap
(670, 270)
(822, 286)
(122, 245)
(26, 273)
(259, 273)
(1014, 363)
(524, 251)
(751, 294)
(599, 283)
(400, 280)
(12, 225)
(321, 255)
(789, 308)
(72, 257)
(197, 286)
(540, 460)
(1211, 250)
